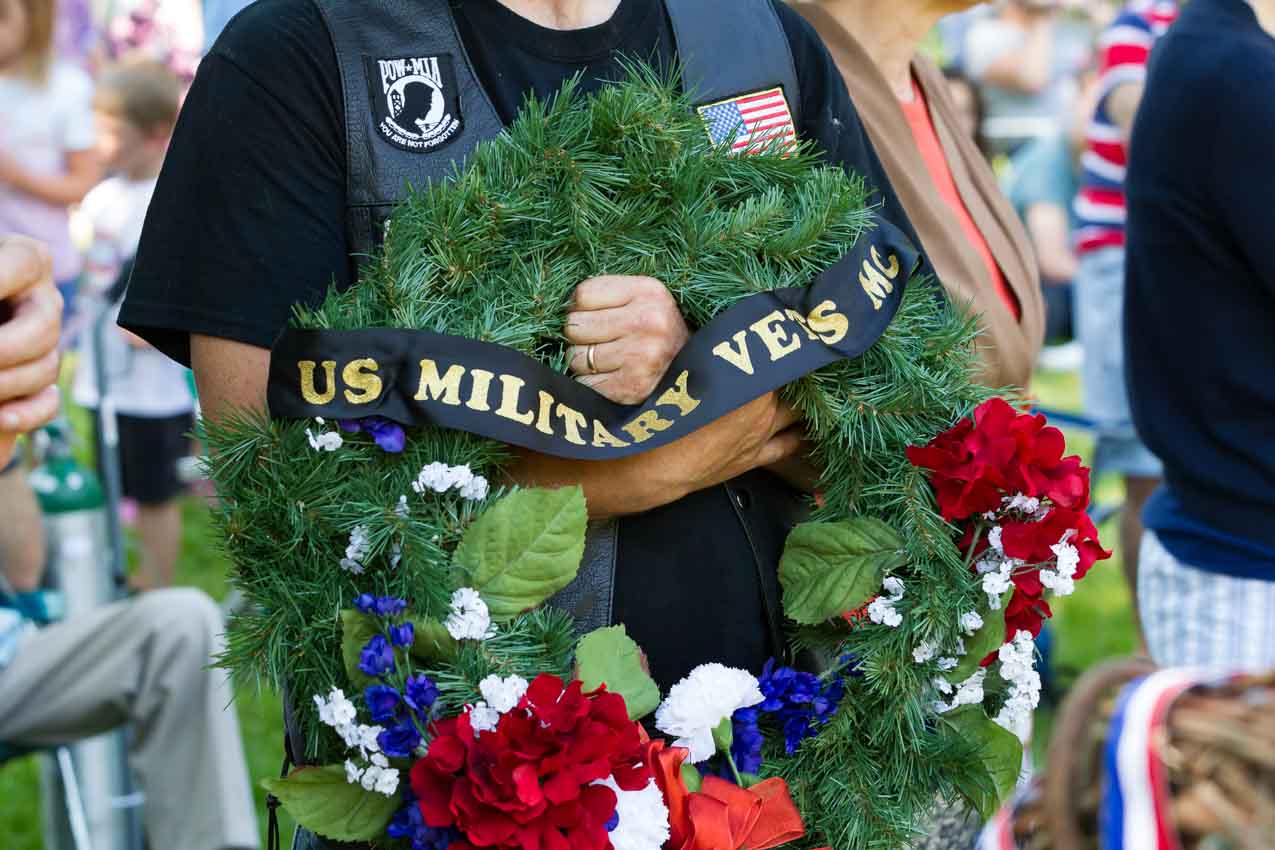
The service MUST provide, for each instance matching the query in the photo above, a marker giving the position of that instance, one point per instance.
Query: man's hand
(30, 322)
(634, 329)
(763, 433)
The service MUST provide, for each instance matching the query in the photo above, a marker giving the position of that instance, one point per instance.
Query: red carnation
(999, 453)
(529, 783)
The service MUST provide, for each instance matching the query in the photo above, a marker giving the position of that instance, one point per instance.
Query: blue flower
(798, 701)
(382, 701)
(613, 821)
(408, 822)
(387, 434)
(377, 657)
(747, 740)
(400, 740)
(380, 606)
(421, 693)
(402, 634)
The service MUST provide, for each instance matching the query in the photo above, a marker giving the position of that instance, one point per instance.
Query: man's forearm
(612, 488)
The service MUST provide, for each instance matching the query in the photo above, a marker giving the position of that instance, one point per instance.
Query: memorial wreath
(384, 555)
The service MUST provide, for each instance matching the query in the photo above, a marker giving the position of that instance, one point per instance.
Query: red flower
(1000, 452)
(528, 784)
(1031, 542)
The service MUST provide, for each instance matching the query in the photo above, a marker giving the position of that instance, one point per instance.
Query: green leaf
(432, 641)
(1001, 753)
(691, 778)
(829, 568)
(989, 638)
(609, 656)
(525, 548)
(357, 629)
(320, 800)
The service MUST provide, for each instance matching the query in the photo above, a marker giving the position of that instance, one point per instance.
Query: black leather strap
(733, 47)
(377, 171)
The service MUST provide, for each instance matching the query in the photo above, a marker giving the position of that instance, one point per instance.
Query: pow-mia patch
(415, 101)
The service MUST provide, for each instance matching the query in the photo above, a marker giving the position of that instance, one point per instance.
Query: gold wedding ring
(588, 359)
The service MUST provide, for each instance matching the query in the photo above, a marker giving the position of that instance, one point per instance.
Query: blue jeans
(1100, 329)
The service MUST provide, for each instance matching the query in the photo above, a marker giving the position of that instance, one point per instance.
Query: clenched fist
(30, 321)
(632, 328)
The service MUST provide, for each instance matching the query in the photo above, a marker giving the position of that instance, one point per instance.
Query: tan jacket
(1008, 347)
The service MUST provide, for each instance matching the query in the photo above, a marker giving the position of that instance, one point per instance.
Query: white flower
(996, 583)
(353, 773)
(469, 618)
(475, 489)
(894, 587)
(699, 703)
(881, 610)
(483, 718)
(325, 441)
(1029, 505)
(971, 622)
(994, 539)
(382, 780)
(924, 651)
(943, 685)
(439, 477)
(1062, 581)
(363, 737)
(396, 554)
(948, 663)
(643, 817)
(401, 508)
(1017, 660)
(336, 710)
(356, 550)
(380, 760)
(504, 694)
(969, 692)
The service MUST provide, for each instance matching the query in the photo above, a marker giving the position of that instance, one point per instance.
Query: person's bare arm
(82, 172)
(1050, 231)
(30, 322)
(21, 540)
(1122, 105)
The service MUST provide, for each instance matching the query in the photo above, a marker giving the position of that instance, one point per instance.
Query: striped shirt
(1123, 48)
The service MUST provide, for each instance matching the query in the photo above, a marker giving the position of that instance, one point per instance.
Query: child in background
(47, 161)
(136, 108)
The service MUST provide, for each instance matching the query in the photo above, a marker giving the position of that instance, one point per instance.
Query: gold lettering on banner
(362, 382)
(308, 391)
(647, 423)
(740, 359)
(478, 390)
(546, 408)
(774, 337)
(510, 388)
(602, 438)
(444, 388)
(801, 321)
(831, 326)
(678, 396)
(877, 277)
(572, 419)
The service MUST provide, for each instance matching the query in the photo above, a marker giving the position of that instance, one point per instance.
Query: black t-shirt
(248, 219)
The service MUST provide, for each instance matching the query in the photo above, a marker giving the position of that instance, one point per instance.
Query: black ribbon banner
(759, 344)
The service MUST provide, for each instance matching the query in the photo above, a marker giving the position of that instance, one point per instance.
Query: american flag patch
(750, 122)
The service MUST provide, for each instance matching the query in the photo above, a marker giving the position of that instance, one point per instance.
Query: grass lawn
(1092, 625)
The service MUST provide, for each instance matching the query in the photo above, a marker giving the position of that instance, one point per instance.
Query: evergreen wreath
(329, 530)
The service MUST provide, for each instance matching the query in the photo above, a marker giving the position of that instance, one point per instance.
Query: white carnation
(469, 618)
(699, 703)
(971, 622)
(504, 694)
(483, 718)
(643, 817)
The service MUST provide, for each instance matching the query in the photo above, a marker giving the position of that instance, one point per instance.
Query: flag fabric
(750, 122)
